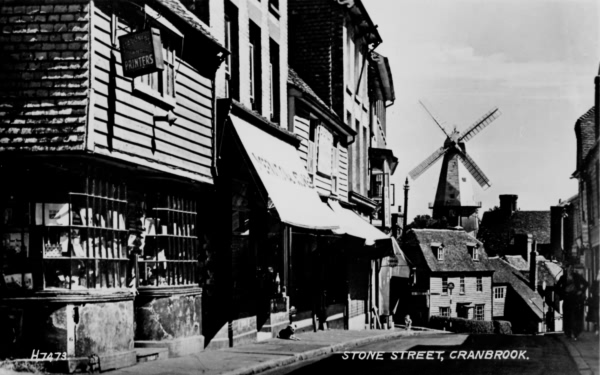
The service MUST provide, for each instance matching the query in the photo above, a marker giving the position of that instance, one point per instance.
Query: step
(151, 354)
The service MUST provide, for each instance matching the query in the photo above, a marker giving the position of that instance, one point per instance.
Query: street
(448, 354)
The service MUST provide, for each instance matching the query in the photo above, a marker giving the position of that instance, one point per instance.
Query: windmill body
(455, 199)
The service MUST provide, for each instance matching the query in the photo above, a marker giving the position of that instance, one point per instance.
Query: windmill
(454, 197)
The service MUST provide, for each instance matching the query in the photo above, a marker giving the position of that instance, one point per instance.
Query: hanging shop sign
(141, 53)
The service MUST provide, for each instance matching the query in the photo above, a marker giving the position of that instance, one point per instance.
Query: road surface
(446, 354)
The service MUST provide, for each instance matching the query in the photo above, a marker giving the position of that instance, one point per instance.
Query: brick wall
(311, 37)
(43, 75)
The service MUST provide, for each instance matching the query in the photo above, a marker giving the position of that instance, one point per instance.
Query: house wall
(44, 75)
(471, 295)
(122, 121)
(355, 110)
(272, 27)
(593, 208)
(325, 60)
(499, 303)
(321, 183)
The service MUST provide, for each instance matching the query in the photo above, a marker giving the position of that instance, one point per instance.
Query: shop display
(170, 247)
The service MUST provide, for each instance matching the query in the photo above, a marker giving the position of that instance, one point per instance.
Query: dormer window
(438, 250)
(473, 250)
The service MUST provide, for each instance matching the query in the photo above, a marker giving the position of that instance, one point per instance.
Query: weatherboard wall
(471, 295)
(322, 183)
(125, 124)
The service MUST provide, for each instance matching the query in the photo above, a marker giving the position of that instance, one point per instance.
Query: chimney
(523, 244)
(556, 231)
(508, 203)
(533, 268)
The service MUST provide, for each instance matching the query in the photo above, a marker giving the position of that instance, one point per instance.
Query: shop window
(169, 253)
(479, 284)
(68, 239)
(479, 312)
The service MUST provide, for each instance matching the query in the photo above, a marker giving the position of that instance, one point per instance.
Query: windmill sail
(439, 123)
(479, 125)
(475, 171)
(418, 170)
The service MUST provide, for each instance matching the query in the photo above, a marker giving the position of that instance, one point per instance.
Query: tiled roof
(588, 115)
(586, 135)
(505, 274)
(44, 76)
(497, 230)
(456, 254)
(295, 80)
(517, 262)
(177, 8)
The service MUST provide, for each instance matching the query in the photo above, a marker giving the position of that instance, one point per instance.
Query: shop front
(262, 179)
(373, 257)
(96, 259)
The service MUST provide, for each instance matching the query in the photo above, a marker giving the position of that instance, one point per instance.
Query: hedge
(461, 325)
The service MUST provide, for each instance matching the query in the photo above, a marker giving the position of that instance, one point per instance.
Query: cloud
(462, 69)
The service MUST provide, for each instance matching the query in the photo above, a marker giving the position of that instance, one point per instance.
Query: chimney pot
(508, 203)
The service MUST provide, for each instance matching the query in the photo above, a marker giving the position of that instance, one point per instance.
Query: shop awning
(284, 178)
(353, 225)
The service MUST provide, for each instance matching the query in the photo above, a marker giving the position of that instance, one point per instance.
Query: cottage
(451, 276)
(514, 300)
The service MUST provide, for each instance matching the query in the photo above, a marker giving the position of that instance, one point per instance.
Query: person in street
(593, 303)
(572, 287)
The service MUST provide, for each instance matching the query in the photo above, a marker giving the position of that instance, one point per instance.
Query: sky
(536, 60)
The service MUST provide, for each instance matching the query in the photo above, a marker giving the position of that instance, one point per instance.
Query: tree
(427, 222)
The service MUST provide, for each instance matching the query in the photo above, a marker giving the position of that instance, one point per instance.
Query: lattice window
(66, 239)
(169, 254)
